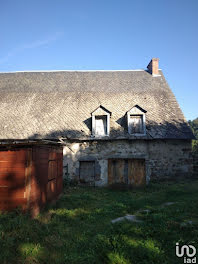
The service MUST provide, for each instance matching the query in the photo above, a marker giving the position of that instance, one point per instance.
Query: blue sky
(104, 34)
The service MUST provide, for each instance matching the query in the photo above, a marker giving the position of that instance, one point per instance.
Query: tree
(194, 126)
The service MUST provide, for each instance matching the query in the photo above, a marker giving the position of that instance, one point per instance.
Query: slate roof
(50, 105)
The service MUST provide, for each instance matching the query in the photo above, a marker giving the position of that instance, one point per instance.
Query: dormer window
(101, 125)
(100, 122)
(136, 121)
(136, 124)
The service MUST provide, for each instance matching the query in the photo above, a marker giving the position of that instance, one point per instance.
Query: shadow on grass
(78, 228)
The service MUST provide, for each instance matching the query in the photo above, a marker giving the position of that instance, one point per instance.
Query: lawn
(78, 228)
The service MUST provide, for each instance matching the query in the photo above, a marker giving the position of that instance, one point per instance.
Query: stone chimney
(153, 66)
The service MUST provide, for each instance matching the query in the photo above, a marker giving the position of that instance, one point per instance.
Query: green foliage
(69, 182)
(78, 228)
(195, 146)
(194, 126)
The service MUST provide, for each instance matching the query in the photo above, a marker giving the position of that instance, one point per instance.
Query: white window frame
(137, 111)
(94, 125)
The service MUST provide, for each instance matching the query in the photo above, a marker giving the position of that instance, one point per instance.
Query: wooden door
(87, 172)
(117, 171)
(136, 172)
(127, 171)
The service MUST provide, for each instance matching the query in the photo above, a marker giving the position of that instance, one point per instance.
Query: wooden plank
(136, 172)
(117, 171)
(130, 172)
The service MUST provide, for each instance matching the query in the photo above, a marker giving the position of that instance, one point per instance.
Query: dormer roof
(136, 109)
(101, 110)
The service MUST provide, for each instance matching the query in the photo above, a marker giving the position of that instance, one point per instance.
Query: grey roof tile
(59, 104)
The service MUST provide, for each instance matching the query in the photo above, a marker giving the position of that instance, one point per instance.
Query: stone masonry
(164, 159)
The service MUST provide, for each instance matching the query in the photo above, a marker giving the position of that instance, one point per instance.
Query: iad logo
(189, 250)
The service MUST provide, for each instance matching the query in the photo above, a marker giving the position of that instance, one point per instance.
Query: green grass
(78, 228)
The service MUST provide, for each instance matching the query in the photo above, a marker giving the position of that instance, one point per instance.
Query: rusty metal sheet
(12, 156)
(12, 178)
(11, 192)
(51, 190)
(59, 180)
(52, 155)
(13, 165)
(10, 204)
(40, 154)
(24, 177)
(52, 169)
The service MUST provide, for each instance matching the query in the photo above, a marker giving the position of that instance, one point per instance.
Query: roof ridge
(40, 71)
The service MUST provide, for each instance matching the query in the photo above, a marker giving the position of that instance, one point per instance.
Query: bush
(69, 182)
(195, 146)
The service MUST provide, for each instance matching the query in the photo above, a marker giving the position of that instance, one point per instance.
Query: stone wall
(164, 158)
(170, 159)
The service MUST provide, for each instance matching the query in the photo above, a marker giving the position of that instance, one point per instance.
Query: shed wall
(27, 179)
(13, 165)
(46, 176)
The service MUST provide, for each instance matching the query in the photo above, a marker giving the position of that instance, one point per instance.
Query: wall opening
(87, 172)
(101, 125)
(136, 124)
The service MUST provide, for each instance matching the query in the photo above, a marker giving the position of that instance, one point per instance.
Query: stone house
(115, 127)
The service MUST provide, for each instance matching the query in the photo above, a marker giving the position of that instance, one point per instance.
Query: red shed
(30, 176)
